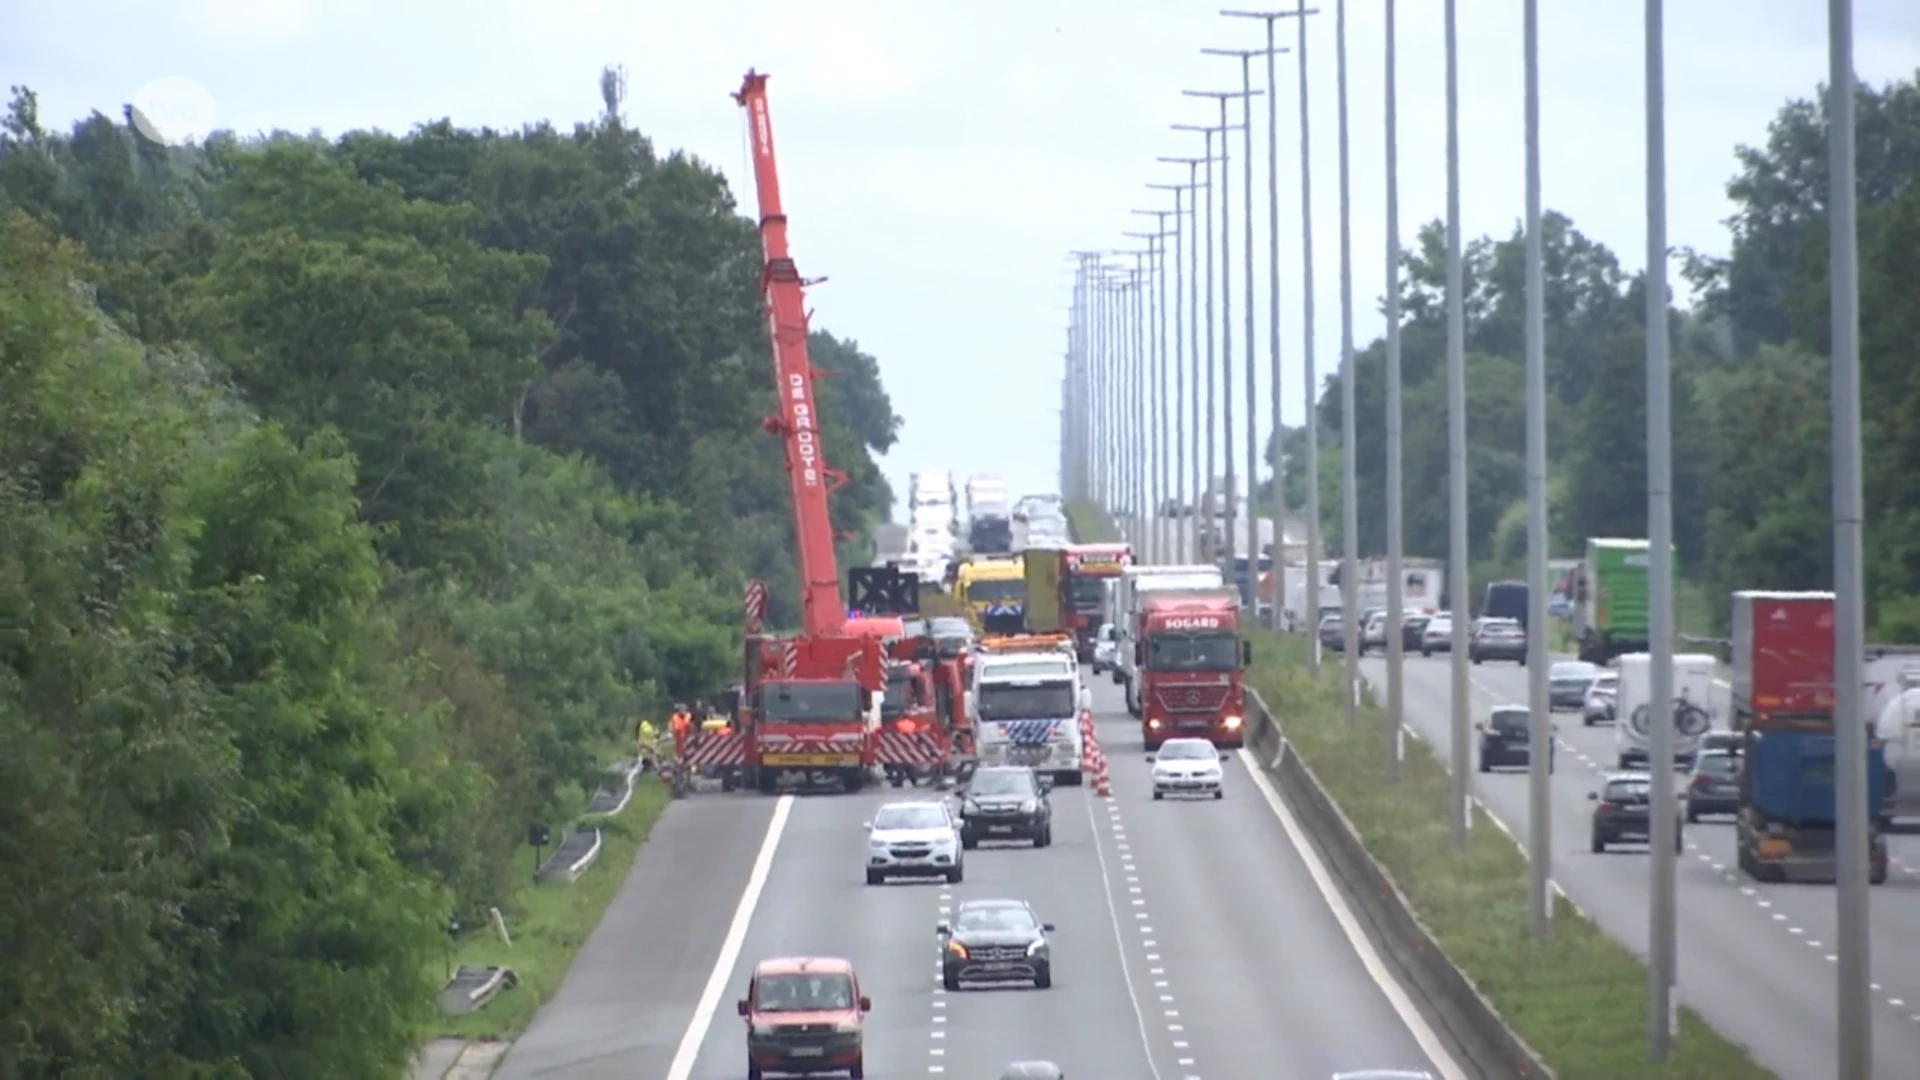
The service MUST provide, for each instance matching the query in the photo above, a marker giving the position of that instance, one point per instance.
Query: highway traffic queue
(978, 692)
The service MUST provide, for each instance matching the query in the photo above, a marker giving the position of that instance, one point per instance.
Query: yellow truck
(994, 594)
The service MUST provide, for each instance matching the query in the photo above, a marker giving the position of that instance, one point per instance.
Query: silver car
(1598, 708)
(1106, 650)
(1568, 682)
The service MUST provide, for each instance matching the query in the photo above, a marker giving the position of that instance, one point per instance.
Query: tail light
(1701, 781)
(1606, 808)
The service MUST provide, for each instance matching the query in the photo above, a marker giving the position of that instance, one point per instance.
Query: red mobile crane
(810, 702)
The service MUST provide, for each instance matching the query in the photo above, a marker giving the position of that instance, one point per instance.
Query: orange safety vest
(681, 723)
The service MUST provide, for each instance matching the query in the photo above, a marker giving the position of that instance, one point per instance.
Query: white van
(1693, 710)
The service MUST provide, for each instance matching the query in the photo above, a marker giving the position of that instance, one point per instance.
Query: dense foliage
(356, 496)
(1752, 497)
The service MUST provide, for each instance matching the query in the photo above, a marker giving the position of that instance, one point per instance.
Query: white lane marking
(1120, 939)
(696, 1034)
(1390, 987)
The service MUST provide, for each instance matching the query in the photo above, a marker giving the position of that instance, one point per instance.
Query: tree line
(1751, 459)
(357, 498)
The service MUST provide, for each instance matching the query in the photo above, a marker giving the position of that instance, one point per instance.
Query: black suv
(1005, 802)
(995, 941)
(1506, 739)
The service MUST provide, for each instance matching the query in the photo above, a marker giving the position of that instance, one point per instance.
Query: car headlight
(958, 950)
(846, 1027)
(1233, 722)
(1038, 948)
(969, 807)
(763, 1029)
(877, 845)
(1029, 806)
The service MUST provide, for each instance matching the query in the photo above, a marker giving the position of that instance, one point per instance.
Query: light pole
(1179, 478)
(1665, 825)
(1457, 452)
(1153, 375)
(1086, 263)
(1136, 406)
(1203, 496)
(1246, 56)
(1849, 588)
(1156, 506)
(1311, 604)
(1396, 584)
(1349, 471)
(1190, 519)
(1539, 704)
(1231, 481)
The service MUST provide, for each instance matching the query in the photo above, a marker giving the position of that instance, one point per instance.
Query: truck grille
(1191, 699)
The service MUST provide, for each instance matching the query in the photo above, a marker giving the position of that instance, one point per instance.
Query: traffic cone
(1101, 786)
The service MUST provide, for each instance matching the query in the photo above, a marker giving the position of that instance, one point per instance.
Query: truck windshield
(1013, 702)
(1086, 594)
(893, 703)
(805, 702)
(996, 590)
(1193, 652)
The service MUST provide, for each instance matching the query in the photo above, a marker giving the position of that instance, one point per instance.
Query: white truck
(1692, 710)
(1025, 709)
(1134, 582)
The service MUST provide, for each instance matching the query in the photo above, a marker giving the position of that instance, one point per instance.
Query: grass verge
(1091, 525)
(549, 923)
(1579, 998)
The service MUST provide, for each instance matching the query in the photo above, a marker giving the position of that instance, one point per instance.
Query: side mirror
(867, 825)
(943, 930)
(866, 1004)
(1047, 926)
(1150, 757)
(1246, 653)
(743, 1007)
(1479, 725)
(1593, 796)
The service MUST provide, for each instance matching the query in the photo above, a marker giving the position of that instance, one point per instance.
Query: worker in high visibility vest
(682, 722)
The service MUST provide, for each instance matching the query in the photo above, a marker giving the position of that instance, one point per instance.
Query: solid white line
(1396, 995)
(689, 1052)
(1119, 937)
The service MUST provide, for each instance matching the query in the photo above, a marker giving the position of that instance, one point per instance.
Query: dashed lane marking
(1142, 921)
(1726, 874)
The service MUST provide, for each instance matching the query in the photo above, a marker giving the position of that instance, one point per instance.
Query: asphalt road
(1191, 942)
(1755, 960)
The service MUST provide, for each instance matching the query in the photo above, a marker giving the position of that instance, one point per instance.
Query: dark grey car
(1005, 802)
(1714, 787)
(995, 941)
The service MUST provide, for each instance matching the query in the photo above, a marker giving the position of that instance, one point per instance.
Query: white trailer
(1692, 710)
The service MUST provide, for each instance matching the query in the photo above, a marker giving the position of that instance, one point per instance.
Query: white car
(1106, 649)
(914, 839)
(1186, 767)
(1438, 636)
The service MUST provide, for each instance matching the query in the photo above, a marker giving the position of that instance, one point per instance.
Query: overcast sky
(940, 159)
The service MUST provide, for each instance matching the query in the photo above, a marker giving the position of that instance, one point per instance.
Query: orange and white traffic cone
(1101, 786)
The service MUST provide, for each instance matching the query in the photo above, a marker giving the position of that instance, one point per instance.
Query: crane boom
(797, 422)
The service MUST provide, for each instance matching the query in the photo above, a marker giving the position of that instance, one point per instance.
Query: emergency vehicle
(1025, 700)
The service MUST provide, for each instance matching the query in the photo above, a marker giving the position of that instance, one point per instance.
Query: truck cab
(1189, 661)
(809, 712)
(1025, 707)
(1136, 582)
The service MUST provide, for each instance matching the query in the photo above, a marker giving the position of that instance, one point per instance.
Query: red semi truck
(1190, 658)
(1083, 590)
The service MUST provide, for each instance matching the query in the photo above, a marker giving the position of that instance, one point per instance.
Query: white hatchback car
(914, 839)
(1186, 767)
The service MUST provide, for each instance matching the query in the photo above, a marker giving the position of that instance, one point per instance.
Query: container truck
(1692, 708)
(1782, 703)
(1618, 609)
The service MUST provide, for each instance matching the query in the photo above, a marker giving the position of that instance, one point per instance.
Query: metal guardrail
(1470, 1020)
(575, 854)
(611, 800)
(472, 988)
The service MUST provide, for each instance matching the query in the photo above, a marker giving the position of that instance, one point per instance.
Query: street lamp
(1179, 467)
(1189, 541)
(1158, 481)
(1226, 322)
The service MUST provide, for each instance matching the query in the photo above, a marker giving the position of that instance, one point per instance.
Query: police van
(1025, 707)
